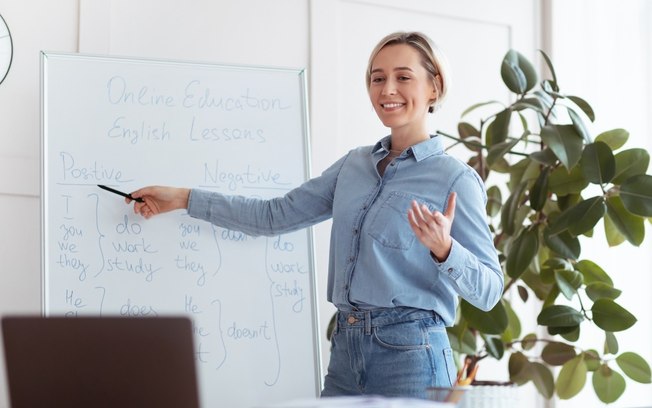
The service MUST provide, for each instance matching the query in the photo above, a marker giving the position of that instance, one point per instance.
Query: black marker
(140, 200)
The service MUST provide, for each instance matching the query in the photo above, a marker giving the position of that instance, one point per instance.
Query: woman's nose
(389, 88)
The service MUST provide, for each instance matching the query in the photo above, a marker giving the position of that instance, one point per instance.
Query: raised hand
(158, 199)
(433, 229)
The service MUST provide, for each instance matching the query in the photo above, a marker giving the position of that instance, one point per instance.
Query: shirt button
(450, 270)
(355, 231)
(351, 319)
(351, 259)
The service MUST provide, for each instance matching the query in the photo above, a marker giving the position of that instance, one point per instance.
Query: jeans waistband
(382, 317)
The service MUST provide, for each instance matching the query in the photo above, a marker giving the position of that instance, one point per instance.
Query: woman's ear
(437, 85)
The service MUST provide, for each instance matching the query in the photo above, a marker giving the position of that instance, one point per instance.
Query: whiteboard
(128, 123)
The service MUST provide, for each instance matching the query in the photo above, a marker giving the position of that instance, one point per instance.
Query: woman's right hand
(159, 199)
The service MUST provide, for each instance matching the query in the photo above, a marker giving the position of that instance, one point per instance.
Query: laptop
(100, 362)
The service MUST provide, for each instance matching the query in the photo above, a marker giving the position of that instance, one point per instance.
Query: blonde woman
(409, 234)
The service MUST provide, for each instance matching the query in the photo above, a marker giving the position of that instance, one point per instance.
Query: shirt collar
(420, 150)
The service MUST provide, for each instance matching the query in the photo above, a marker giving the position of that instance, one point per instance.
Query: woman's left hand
(434, 228)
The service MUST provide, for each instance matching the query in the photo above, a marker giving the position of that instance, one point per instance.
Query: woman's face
(400, 89)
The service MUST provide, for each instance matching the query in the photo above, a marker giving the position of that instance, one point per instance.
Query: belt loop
(367, 322)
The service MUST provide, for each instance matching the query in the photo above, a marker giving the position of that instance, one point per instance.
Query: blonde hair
(432, 59)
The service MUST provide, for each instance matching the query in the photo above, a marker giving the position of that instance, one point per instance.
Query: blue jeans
(394, 352)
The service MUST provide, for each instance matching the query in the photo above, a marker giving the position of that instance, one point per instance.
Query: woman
(409, 233)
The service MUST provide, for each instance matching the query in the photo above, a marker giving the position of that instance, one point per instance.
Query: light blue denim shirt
(375, 258)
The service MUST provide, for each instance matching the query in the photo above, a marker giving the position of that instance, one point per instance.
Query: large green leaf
(470, 136)
(518, 73)
(614, 237)
(466, 129)
(608, 384)
(610, 316)
(519, 368)
(534, 282)
(579, 125)
(584, 105)
(598, 290)
(491, 322)
(554, 330)
(521, 171)
(592, 360)
(512, 204)
(586, 214)
(610, 343)
(572, 378)
(563, 243)
(542, 379)
(551, 68)
(551, 296)
(629, 163)
(568, 282)
(598, 163)
(533, 103)
(562, 182)
(522, 252)
(635, 367)
(631, 226)
(529, 341)
(593, 272)
(461, 339)
(513, 326)
(494, 346)
(567, 201)
(636, 193)
(547, 101)
(614, 138)
(551, 266)
(497, 151)
(498, 129)
(559, 316)
(539, 191)
(581, 217)
(565, 142)
(557, 353)
(545, 157)
(572, 335)
(494, 201)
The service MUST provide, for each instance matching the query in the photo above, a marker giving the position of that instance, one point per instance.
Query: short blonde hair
(432, 59)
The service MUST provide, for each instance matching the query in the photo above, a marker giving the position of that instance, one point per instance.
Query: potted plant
(550, 182)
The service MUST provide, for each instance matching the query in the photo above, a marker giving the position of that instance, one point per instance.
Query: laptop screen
(100, 362)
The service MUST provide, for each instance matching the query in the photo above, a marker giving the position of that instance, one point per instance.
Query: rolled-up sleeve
(301, 207)
(473, 264)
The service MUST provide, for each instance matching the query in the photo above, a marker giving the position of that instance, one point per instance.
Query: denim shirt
(375, 258)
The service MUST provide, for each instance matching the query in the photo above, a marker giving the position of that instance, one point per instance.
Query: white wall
(34, 25)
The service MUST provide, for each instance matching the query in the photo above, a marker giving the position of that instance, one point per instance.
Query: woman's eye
(403, 78)
(377, 80)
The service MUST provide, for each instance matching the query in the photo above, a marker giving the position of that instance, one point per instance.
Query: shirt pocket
(389, 225)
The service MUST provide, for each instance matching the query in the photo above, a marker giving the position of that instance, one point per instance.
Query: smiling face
(401, 91)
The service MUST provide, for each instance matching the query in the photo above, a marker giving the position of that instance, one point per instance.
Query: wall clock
(6, 49)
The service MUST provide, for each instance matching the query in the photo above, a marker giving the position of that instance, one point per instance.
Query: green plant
(559, 182)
